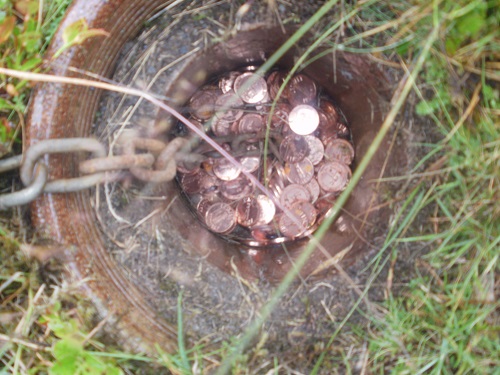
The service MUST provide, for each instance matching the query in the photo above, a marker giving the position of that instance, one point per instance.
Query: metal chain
(157, 164)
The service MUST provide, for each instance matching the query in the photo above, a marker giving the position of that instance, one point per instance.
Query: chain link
(157, 164)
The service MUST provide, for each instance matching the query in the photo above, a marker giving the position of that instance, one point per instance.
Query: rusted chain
(28, 194)
(111, 163)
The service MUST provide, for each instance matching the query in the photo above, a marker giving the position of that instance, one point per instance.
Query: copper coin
(221, 127)
(308, 209)
(333, 176)
(191, 183)
(294, 193)
(343, 130)
(203, 205)
(251, 87)
(226, 170)
(228, 107)
(294, 223)
(316, 149)
(324, 120)
(268, 210)
(314, 189)
(280, 115)
(299, 173)
(276, 186)
(202, 104)
(302, 90)
(329, 109)
(340, 150)
(303, 119)
(248, 212)
(274, 82)
(325, 203)
(251, 123)
(237, 189)
(220, 218)
(226, 83)
(249, 163)
(293, 148)
(208, 184)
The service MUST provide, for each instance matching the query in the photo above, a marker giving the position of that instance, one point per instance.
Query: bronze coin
(250, 87)
(221, 127)
(226, 170)
(280, 115)
(316, 149)
(340, 150)
(293, 148)
(229, 107)
(237, 189)
(333, 176)
(299, 173)
(191, 183)
(203, 205)
(250, 163)
(294, 193)
(303, 119)
(302, 90)
(251, 123)
(268, 210)
(248, 212)
(220, 218)
(264, 233)
(324, 120)
(276, 185)
(337, 130)
(330, 110)
(314, 189)
(226, 83)
(208, 184)
(294, 223)
(274, 82)
(308, 209)
(202, 104)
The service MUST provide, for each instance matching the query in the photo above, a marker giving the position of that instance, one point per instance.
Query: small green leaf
(77, 33)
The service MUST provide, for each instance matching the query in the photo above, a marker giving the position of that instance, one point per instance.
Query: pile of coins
(303, 158)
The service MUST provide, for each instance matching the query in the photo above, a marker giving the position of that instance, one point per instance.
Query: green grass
(445, 321)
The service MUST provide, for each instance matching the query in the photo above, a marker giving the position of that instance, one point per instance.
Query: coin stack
(303, 158)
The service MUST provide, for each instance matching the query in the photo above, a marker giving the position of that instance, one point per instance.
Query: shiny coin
(280, 115)
(274, 82)
(268, 210)
(294, 193)
(220, 218)
(294, 223)
(299, 173)
(250, 163)
(202, 104)
(313, 188)
(226, 83)
(237, 189)
(191, 183)
(302, 90)
(251, 123)
(226, 170)
(333, 176)
(308, 209)
(329, 109)
(340, 150)
(303, 119)
(251, 87)
(229, 107)
(203, 206)
(316, 149)
(276, 186)
(221, 127)
(248, 212)
(293, 148)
